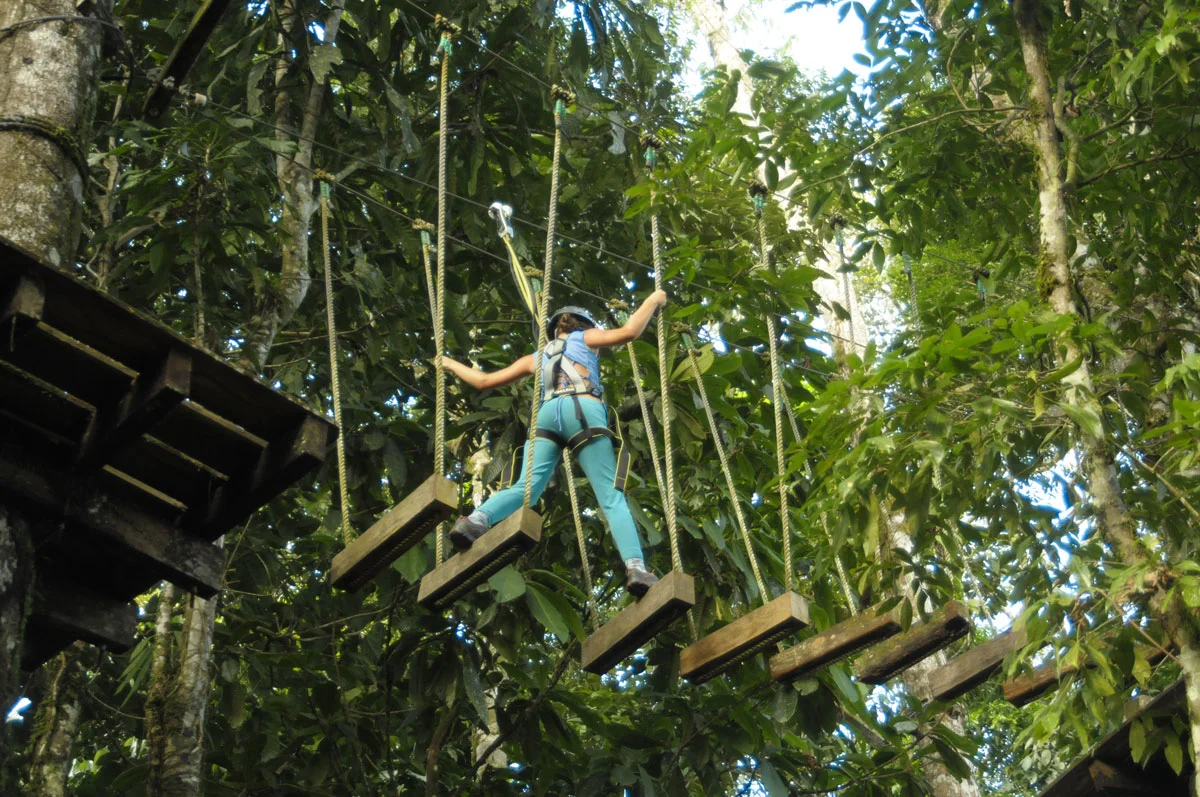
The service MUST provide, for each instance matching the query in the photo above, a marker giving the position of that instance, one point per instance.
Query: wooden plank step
(462, 572)
(1028, 687)
(638, 623)
(743, 638)
(400, 528)
(963, 673)
(835, 643)
(892, 657)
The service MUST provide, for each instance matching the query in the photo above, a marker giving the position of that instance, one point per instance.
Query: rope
(446, 47)
(593, 613)
(560, 97)
(758, 195)
(652, 146)
(347, 532)
(733, 496)
(637, 381)
(780, 466)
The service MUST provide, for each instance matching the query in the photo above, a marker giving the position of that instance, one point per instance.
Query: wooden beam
(24, 301)
(287, 459)
(963, 673)
(85, 615)
(502, 543)
(1109, 781)
(743, 638)
(400, 528)
(143, 539)
(892, 657)
(180, 62)
(638, 623)
(835, 643)
(124, 420)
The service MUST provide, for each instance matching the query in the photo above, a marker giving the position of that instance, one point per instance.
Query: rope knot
(758, 195)
(422, 226)
(445, 27)
(324, 176)
(562, 94)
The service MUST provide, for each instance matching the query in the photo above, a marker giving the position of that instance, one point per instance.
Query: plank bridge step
(639, 622)
(835, 643)
(462, 572)
(400, 528)
(963, 673)
(894, 656)
(743, 638)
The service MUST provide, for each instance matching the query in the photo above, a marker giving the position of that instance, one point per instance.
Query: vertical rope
(780, 466)
(561, 98)
(733, 495)
(335, 380)
(446, 48)
(758, 196)
(593, 613)
(637, 381)
(652, 147)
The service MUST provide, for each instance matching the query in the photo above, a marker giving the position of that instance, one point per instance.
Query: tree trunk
(58, 709)
(16, 579)
(162, 679)
(48, 72)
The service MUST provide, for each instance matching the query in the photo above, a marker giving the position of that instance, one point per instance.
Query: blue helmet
(578, 312)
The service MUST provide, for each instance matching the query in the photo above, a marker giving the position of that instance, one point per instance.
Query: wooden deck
(743, 638)
(638, 623)
(141, 447)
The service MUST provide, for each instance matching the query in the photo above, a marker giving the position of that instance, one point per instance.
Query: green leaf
(474, 687)
(322, 60)
(508, 583)
(844, 684)
(1086, 418)
(1174, 752)
(1137, 740)
(545, 612)
(771, 780)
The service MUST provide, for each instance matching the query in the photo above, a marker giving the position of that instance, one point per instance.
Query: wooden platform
(743, 638)
(136, 447)
(963, 673)
(638, 623)
(462, 572)
(402, 527)
(835, 643)
(888, 659)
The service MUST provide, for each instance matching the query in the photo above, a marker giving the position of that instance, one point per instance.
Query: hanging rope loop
(653, 145)
(448, 31)
(563, 99)
(758, 195)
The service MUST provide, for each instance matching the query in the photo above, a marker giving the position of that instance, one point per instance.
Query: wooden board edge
(882, 664)
(784, 669)
(434, 501)
(666, 601)
(502, 543)
(736, 641)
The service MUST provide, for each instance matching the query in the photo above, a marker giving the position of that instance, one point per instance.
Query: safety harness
(552, 372)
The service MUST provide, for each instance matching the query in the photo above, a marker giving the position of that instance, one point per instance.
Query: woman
(573, 413)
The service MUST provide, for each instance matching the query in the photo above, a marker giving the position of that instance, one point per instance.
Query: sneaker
(465, 532)
(638, 582)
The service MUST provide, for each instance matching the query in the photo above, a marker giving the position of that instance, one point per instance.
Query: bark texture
(58, 711)
(48, 72)
(16, 579)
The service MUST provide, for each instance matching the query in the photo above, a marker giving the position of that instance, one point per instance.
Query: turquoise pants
(597, 459)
